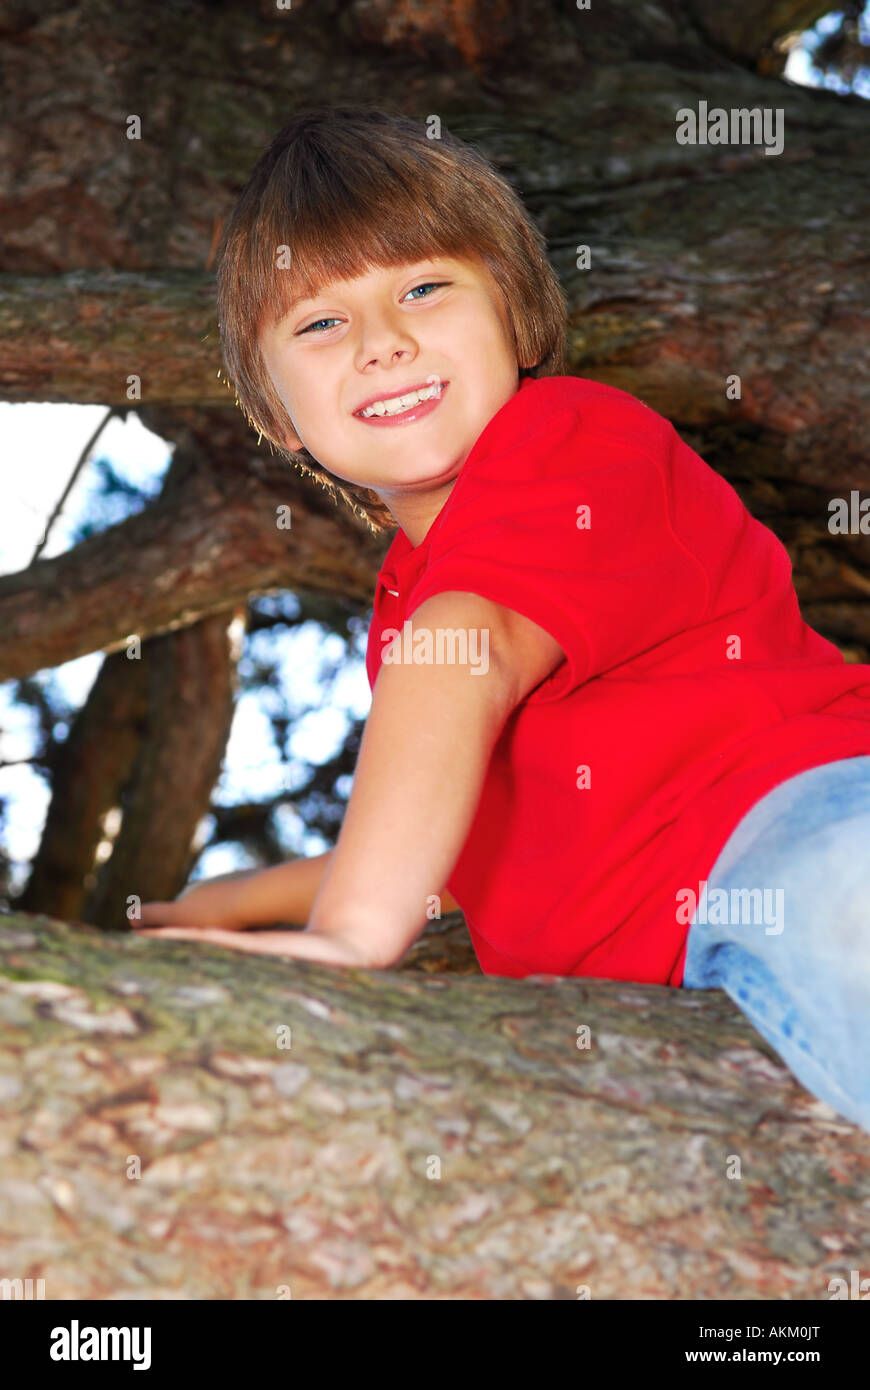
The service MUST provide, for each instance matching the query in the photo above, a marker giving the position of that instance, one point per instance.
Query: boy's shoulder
(599, 407)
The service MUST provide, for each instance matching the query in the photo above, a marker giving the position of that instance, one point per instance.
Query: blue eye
(429, 284)
(315, 323)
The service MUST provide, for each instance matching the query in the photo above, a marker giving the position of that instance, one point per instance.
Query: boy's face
(378, 336)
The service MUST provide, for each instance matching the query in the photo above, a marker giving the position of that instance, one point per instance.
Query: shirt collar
(403, 563)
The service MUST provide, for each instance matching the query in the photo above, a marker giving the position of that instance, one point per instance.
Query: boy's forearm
(422, 762)
(282, 893)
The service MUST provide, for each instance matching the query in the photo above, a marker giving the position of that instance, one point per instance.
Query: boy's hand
(204, 905)
(264, 943)
(309, 945)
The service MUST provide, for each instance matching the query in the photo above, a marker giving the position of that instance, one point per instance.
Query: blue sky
(799, 67)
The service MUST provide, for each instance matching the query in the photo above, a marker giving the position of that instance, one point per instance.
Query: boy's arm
(246, 898)
(421, 767)
(423, 758)
(286, 892)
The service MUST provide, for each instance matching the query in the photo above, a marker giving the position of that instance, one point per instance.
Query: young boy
(597, 717)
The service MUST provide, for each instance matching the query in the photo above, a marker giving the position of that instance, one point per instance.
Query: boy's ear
(292, 441)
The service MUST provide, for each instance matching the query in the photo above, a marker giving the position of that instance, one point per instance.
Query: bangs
(324, 231)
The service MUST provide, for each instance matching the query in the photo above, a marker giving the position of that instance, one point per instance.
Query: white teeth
(396, 404)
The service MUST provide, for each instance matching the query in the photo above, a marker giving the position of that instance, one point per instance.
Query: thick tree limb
(148, 742)
(585, 1134)
(81, 336)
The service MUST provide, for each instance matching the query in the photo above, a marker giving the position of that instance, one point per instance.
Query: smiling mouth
(426, 400)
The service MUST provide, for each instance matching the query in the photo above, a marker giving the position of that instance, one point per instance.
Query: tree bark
(82, 335)
(421, 1136)
(89, 772)
(189, 685)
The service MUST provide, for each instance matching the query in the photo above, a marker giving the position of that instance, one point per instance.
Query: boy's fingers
(183, 933)
(155, 912)
(217, 935)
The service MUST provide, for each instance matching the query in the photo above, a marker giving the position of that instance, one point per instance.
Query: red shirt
(691, 685)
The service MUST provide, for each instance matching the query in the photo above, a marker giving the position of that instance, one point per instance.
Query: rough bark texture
(423, 1136)
(79, 337)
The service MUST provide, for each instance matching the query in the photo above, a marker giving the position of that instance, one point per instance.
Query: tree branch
(79, 465)
(205, 546)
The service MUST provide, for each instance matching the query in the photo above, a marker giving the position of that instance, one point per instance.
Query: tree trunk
(91, 768)
(189, 680)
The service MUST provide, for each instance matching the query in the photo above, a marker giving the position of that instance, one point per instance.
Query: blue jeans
(795, 954)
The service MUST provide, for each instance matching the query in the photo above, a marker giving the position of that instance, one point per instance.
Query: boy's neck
(415, 512)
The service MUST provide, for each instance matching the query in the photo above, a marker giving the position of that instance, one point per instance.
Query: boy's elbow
(388, 948)
(367, 945)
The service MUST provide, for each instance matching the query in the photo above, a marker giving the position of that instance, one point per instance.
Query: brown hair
(348, 188)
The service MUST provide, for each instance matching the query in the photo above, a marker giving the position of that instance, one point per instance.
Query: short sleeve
(571, 527)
